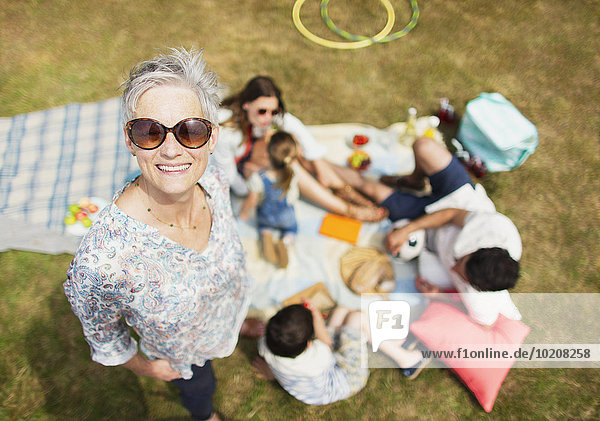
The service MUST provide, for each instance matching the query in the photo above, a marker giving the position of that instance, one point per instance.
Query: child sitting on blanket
(319, 364)
(273, 192)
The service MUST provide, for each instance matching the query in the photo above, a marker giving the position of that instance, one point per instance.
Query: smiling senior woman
(165, 257)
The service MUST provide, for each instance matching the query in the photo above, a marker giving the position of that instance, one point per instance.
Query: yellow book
(340, 227)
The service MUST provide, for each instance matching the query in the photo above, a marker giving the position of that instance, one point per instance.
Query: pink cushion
(444, 327)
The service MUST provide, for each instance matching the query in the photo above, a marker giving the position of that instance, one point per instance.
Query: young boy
(320, 364)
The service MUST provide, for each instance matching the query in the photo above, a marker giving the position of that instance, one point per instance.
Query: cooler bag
(495, 131)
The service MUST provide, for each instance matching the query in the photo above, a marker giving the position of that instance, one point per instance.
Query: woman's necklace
(149, 210)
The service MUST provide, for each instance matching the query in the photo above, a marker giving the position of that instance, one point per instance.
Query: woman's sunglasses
(263, 111)
(146, 133)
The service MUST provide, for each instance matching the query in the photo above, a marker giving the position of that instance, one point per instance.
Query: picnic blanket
(52, 158)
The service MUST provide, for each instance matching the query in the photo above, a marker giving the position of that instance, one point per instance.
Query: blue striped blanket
(52, 158)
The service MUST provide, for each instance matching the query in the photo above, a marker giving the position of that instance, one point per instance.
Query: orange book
(340, 227)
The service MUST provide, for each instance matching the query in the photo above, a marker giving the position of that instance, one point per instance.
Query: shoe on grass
(410, 343)
(412, 372)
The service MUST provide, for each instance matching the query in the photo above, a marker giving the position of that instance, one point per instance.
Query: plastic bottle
(472, 162)
(446, 113)
(410, 134)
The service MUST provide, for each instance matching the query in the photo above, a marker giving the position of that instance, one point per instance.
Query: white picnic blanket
(52, 158)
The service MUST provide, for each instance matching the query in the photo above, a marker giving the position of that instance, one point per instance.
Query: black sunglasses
(263, 111)
(146, 133)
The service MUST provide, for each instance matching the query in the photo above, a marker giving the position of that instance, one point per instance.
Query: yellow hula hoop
(391, 18)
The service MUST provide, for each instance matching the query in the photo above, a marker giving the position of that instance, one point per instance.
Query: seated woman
(241, 150)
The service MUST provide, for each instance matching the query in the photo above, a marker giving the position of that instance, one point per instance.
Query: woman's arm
(311, 149)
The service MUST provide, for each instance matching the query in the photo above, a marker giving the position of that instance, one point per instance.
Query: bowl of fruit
(358, 140)
(80, 216)
(359, 160)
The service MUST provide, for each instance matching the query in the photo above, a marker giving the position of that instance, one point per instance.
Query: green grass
(541, 55)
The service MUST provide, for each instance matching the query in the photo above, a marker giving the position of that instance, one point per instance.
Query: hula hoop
(342, 44)
(357, 41)
(345, 34)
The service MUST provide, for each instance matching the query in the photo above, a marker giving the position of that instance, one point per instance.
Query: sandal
(349, 194)
(366, 213)
(404, 181)
(252, 328)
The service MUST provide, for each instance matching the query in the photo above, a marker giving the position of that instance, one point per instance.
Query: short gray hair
(179, 67)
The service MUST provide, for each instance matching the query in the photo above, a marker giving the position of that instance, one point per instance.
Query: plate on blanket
(80, 216)
(357, 140)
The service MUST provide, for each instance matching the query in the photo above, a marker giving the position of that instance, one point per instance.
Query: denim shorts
(404, 205)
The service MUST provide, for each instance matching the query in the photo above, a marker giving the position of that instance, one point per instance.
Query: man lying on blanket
(476, 248)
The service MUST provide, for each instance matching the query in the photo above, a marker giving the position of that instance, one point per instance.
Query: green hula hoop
(343, 45)
(396, 35)
(357, 41)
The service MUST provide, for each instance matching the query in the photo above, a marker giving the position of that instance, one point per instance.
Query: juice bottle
(410, 134)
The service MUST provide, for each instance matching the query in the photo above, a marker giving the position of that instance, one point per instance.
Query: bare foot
(366, 213)
(349, 194)
(262, 369)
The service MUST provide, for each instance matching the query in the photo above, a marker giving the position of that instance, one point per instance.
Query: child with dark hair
(318, 363)
(491, 269)
(274, 191)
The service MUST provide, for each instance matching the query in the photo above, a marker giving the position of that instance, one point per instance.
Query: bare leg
(317, 193)
(391, 348)
(337, 317)
(373, 189)
(314, 191)
(430, 157)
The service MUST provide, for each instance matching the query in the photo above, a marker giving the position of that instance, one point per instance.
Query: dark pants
(402, 204)
(197, 392)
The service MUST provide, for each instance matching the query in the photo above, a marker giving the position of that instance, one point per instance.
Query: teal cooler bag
(495, 131)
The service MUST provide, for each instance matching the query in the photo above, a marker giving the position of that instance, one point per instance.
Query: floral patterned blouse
(186, 307)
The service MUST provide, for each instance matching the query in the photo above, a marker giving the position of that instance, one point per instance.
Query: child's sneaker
(410, 343)
(412, 372)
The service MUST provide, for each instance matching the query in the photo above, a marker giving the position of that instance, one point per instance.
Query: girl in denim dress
(273, 192)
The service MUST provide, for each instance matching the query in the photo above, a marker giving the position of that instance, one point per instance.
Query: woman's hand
(159, 369)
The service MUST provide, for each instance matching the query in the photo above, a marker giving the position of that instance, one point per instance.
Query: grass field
(542, 55)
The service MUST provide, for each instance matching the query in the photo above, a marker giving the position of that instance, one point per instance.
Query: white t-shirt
(229, 147)
(313, 377)
(483, 227)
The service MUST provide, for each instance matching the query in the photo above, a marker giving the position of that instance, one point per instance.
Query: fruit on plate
(80, 216)
(359, 160)
(360, 140)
